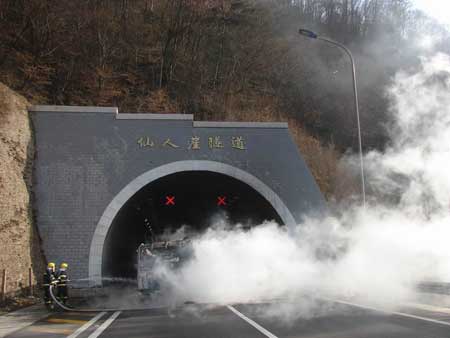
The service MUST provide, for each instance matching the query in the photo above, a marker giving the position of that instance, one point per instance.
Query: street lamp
(311, 35)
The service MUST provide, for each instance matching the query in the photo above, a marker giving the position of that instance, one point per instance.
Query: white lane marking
(391, 312)
(252, 323)
(429, 307)
(86, 326)
(105, 325)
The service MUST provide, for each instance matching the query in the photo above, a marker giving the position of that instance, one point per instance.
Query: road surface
(308, 319)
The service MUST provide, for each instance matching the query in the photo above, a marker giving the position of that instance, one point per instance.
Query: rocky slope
(19, 242)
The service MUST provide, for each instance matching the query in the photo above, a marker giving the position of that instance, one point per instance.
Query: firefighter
(48, 280)
(62, 278)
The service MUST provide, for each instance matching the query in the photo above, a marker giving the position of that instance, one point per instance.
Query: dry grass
(321, 159)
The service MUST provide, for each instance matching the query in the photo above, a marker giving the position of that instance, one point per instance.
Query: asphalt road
(306, 319)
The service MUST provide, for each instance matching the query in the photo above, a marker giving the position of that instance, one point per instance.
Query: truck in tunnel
(178, 207)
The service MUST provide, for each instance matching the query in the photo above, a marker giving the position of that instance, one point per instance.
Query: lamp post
(311, 35)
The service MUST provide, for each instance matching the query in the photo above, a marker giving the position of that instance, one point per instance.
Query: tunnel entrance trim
(106, 220)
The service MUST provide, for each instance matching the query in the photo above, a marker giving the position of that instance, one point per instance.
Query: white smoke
(378, 254)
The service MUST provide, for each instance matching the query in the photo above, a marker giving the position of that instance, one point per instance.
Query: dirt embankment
(19, 242)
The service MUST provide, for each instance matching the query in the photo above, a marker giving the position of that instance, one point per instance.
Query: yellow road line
(65, 321)
(86, 326)
(75, 314)
(45, 329)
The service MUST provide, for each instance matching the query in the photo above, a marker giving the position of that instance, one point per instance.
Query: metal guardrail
(434, 287)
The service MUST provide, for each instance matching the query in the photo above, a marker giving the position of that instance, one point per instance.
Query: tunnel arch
(111, 211)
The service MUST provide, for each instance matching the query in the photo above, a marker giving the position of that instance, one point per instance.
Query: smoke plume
(376, 254)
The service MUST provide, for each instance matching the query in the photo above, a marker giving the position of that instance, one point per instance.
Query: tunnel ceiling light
(308, 33)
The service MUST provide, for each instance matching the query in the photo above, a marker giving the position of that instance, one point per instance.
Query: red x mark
(221, 200)
(170, 200)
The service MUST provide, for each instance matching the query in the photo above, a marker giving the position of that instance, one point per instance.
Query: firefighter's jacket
(49, 277)
(62, 278)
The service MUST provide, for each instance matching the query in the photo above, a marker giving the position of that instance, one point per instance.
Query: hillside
(217, 59)
(231, 60)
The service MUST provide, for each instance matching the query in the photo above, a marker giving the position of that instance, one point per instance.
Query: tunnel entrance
(177, 205)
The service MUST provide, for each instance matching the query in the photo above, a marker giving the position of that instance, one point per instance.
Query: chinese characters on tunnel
(194, 143)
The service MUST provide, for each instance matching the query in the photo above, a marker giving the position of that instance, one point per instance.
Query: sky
(439, 9)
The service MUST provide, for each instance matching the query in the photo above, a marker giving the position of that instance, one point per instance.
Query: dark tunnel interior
(190, 198)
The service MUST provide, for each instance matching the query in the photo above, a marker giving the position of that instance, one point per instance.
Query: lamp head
(308, 33)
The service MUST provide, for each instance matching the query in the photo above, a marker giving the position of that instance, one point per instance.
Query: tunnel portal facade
(103, 179)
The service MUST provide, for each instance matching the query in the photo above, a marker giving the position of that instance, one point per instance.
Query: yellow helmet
(64, 266)
(51, 265)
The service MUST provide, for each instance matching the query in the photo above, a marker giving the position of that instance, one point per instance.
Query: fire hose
(61, 305)
(67, 308)
(71, 309)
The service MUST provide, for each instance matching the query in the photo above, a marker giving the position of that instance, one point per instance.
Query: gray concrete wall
(86, 156)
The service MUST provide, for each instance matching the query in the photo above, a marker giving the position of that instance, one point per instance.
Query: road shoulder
(22, 318)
